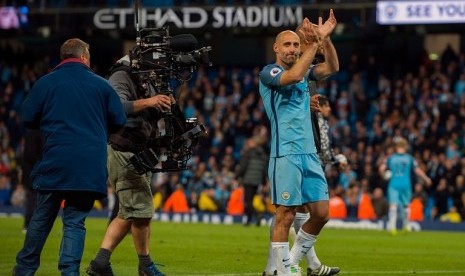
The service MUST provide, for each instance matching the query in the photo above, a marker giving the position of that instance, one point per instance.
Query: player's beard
(289, 59)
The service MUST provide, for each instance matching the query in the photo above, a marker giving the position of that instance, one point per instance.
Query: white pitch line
(232, 274)
(407, 272)
(462, 272)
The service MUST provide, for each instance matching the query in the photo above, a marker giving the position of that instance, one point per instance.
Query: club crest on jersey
(275, 71)
(285, 195)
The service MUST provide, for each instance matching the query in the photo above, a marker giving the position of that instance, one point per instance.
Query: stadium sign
(420, 12)
(197, 17)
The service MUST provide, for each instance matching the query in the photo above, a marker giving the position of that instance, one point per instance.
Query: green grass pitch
(206, 249)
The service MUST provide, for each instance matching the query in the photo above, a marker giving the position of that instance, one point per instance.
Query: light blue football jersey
(288, 108)
(401, 165)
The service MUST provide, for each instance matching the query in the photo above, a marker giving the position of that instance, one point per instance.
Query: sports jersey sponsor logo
(285, 195)
(275, 71)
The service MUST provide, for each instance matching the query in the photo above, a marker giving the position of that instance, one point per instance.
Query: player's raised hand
(307, 34)
(326, 28)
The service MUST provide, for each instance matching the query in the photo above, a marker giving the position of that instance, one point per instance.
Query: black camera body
(155, 60)
(175, 151)
(158, 57)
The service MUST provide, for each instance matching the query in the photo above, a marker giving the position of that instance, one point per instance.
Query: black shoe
(95, 270)
(323, 270)
(274, 273)
(150, 270)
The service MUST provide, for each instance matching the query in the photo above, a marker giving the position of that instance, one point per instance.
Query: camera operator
(143, 108)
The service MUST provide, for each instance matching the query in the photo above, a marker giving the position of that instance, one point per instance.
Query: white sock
(405, 218)
(270, 263)
(302, 245)
(281, 257)
(392, 220)
(299, 219)
(312, 260)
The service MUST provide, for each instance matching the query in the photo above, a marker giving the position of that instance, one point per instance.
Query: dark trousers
(249, 193)
(29, 206)
(76, 209)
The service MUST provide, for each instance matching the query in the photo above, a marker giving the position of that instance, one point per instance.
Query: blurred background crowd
(370, 106)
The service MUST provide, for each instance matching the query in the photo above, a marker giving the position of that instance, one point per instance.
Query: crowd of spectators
(426, 106)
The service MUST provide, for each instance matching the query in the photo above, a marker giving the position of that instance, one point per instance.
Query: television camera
(156, 59)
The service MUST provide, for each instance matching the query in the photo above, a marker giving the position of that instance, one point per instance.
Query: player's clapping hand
(325, 29)
(306, 32)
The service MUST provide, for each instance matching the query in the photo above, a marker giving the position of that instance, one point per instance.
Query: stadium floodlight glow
(420, 12)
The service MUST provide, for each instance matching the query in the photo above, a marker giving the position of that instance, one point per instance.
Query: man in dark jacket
(252, 172)
(74, 109)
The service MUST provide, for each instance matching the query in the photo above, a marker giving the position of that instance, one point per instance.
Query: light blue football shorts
(297, 179)
(399, 196)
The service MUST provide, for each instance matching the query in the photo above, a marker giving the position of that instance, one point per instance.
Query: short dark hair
(323, 100)
(73, 48)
